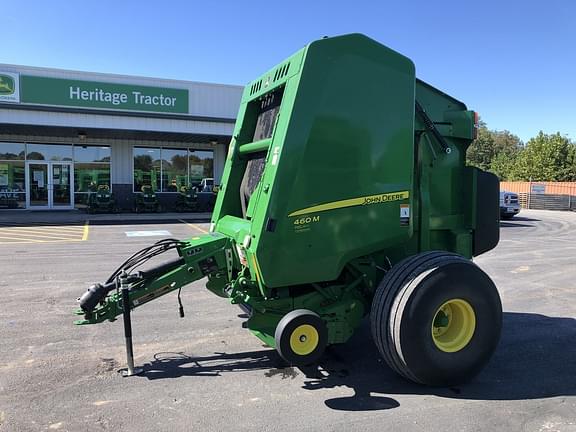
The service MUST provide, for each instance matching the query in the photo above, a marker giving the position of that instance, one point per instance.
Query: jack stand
(131, 370)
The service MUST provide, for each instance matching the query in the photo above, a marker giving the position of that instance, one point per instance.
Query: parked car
(206, 185)
(509, 205)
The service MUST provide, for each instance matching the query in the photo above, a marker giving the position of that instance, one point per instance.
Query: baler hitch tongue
(95, 294)
(197, 258)
(93, 304)
(124, 291)
(97, 306)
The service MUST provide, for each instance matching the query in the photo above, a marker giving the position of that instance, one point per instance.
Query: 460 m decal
(353, 202)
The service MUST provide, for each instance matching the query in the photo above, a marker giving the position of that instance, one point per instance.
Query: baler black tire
(290, 323)
(404, 309)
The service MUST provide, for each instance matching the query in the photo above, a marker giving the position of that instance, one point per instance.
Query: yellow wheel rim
(453, 325)
(304, 339)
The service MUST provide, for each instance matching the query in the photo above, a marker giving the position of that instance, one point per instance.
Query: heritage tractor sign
(102, 95)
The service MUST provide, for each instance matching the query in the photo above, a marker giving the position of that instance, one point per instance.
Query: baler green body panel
(338, 181)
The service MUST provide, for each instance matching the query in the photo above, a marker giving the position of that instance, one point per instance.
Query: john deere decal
(9, 87)
(6, 85)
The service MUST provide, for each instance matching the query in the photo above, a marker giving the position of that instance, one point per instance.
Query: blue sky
(512, 61)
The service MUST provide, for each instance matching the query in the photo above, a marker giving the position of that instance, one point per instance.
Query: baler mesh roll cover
(252, 176)
(267, 115)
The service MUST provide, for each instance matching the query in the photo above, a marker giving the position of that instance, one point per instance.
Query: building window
(49, 152)
(12, 151)
(201, 163)
(12, 183)
(146, 168)
(91, 170)
(174, 169)
(168, 169)
(99, 154)
(12, 175)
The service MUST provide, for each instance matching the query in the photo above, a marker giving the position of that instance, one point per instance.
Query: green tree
(503, 165)
(494, 151)
(507, 147)
(547, 157)
(481, 151)
(506, 142)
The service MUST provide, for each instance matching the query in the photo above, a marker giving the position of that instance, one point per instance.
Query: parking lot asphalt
(206, 373)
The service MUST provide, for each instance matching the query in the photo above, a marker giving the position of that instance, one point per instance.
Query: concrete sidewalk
(23, 217)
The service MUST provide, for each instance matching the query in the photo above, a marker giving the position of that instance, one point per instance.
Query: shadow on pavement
(514, 225)
(536, 359)
(524, 219)
(514, 222)
(175, 365)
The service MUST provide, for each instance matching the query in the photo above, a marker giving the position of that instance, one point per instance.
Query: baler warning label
(404, 214)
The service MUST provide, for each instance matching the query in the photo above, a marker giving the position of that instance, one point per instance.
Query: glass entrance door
(49, 185)
(61, 174)
(37, 193)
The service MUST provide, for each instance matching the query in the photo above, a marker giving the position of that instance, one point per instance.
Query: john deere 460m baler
(345, 194)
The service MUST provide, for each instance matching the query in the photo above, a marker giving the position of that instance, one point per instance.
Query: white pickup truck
(509, 205)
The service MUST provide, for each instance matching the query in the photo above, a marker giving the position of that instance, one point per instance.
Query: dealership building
(64, 134)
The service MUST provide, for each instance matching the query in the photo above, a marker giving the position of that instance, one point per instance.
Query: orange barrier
(547, 188)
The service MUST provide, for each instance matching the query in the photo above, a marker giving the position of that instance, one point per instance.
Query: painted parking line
(86, 231)
(148, 233)
(194, 226)
(33, 235)
(43, 233)
(41, 224)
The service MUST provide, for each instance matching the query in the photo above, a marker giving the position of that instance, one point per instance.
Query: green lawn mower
(147, 201)
(101, 201)
(190, 199)
(187, 200)
(345, 194)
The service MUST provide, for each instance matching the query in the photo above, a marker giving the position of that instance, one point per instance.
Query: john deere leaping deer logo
(7, 85)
